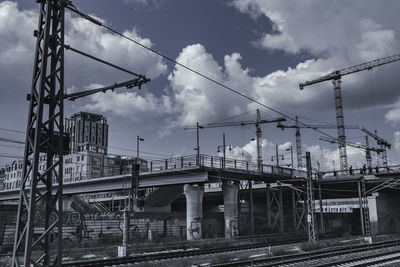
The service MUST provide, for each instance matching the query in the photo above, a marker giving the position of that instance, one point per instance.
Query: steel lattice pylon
(310, 200)
(365, 210)
(44, 137)
(275, 209)
(299, 210)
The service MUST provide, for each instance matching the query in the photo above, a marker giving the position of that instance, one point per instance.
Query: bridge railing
(363, 171)
(219, 163)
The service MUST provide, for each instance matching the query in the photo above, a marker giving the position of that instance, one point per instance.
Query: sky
(260, 48)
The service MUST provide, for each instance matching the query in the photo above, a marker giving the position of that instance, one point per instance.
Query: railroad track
(176, 254)
(378, 258)
(308, 257)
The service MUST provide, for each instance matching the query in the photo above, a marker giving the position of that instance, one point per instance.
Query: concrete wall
(387, 213)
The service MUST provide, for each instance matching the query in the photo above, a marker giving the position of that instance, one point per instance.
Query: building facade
(88, 153)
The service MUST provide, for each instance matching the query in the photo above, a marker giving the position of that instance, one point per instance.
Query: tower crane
(336, 77)
(380, 141)
(298, 136)
(257, 123)
(365, 147)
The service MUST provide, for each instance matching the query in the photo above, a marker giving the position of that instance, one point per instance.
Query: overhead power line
(9, 130)
(99, 23)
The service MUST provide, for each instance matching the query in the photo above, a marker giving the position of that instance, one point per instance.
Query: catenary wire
(93, 20)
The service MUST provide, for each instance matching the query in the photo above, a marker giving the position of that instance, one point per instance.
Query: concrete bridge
(189, 174)
(177, 171)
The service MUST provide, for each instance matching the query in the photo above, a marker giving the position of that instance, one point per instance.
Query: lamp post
(198, 143)
(137, 147)
(224, 149)
(135, 171)
(291, 158)
(277, 156)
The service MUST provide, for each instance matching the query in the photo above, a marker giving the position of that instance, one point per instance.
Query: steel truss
(299, 210)
(44, 137)
(310, 201)
(365, 209)
(275, 209)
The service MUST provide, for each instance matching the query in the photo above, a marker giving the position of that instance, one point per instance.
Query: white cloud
(397, 140)
(338, 34)
(393, 115)
(200, 100)
(135, 105)
(322, 26)
(329, 158)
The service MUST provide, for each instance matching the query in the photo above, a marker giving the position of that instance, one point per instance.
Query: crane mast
(368, 153)
(298, 135)
(364, 147)
(336, 77)
(258, 139)
(380, 141)
(298, 145)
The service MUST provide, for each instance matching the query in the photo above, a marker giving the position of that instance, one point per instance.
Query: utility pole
(44, 134)
(224, 150)
(198, 145)
(138, 139)
(291, 159)
(310, 200)
(277, 156)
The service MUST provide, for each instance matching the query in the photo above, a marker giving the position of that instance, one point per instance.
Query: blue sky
(260, 48)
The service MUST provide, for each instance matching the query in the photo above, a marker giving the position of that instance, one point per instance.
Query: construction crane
(257, 123)
(380, 141)
(298, 136)
(336, 77)
(365, 147)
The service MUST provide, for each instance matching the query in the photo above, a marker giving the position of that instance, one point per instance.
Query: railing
(363, 171)
(176, 163)
(217, 162)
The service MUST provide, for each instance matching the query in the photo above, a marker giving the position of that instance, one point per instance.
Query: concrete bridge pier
(67, 203)
(230, 190)
(194, 210)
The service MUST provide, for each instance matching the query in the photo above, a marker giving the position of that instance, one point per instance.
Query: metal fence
(194, 161)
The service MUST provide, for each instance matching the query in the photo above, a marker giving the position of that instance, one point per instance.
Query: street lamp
(224, 149)
(198, 143)
(137, 147)
(291, 155)
(291, 158)
(135, 171)
(277, 156)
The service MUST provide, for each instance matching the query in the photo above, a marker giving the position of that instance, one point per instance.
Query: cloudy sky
(261, 48)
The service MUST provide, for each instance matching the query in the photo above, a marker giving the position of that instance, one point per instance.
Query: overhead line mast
(336, 77)
(45, 137)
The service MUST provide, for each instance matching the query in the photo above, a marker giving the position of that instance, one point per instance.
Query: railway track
(314, 258)
(370, 260)
(176, 254)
